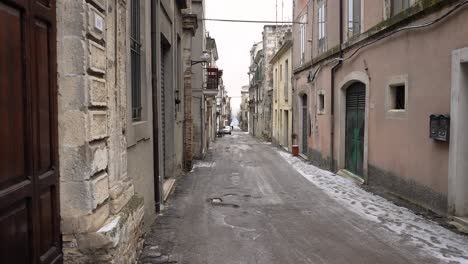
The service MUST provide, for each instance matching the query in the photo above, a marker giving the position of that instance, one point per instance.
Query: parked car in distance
(226, 130)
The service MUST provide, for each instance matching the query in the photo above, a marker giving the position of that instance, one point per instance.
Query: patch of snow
(427, 235)
(242, 146)
(110, 226)
(203, 164)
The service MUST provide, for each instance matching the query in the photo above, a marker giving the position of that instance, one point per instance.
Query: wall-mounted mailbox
(440, 127)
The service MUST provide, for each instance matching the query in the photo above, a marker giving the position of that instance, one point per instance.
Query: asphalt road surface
(245, 205)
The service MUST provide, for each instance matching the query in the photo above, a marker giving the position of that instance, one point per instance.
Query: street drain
(219, 202)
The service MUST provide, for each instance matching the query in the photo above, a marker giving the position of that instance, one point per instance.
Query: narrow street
(248, 202)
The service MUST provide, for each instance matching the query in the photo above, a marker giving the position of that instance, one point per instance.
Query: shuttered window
(286, 80)
(135, 59)
(322, 20)
(399, 5)
(303, 38)
(354, 17)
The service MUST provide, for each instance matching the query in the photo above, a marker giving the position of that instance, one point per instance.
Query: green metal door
(355, 123)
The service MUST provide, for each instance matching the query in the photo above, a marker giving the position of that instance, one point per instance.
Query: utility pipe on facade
(154, 84)
(332, 92)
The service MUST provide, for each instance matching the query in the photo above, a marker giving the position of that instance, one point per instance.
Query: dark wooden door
(29, 219)
(355, 123)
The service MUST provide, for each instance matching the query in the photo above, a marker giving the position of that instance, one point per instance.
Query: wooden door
(355, 123)
(29, 219)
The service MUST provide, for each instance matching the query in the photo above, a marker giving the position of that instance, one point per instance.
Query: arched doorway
(355, 128)
(304, 126)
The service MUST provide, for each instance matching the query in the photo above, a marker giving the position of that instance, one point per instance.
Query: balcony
(212, 81)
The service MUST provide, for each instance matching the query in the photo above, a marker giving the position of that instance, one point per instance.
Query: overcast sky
(234, 40)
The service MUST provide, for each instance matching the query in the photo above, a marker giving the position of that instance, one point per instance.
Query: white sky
(234, 40)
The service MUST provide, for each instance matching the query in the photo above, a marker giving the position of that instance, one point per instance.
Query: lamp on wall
(205, 57)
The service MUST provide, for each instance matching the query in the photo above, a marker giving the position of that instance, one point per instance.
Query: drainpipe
(154, 84)
(332, 104)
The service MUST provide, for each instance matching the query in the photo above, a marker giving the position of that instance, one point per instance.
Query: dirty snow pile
(202, 164)
(425, 234)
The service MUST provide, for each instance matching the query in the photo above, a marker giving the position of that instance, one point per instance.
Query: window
(286, 80)
(303, 38)
(321, 26)
(399, 5)
(396, 101)
(354, 17)
(135, 60)
(397, 94)
(276, 85)
(281, 72)
(321, 102)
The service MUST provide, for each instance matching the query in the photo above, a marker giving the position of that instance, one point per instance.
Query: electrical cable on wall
(430, 23)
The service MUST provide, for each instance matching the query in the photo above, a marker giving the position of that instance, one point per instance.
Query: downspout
(332, 93)
(154, 84)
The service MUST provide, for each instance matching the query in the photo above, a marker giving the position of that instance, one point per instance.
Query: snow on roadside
(203, 164)
(425, 234)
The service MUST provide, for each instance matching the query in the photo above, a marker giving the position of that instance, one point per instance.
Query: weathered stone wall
(198, 79)
(98, 223)
(271, 37)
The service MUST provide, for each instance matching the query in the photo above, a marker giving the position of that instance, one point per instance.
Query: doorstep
(350, 175)
(167, 188)
(461, 223)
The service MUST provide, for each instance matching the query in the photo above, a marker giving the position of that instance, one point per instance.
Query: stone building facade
(363, 103)
(101, 214)
(205, 87)
(211, 91)
(124, 104)
(243, 115)
(262, 79)
(255, 84)
(282, 94)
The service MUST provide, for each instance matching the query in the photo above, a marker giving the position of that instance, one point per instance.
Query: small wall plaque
(98, 22)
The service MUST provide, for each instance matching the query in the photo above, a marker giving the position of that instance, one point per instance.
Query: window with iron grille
(354, 17)
(135, 60)
(322, 20)
(399, 5)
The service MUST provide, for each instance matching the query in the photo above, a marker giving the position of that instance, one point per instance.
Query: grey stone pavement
(244, 204)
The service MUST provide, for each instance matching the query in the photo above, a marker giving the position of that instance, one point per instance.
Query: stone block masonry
(101, 217)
